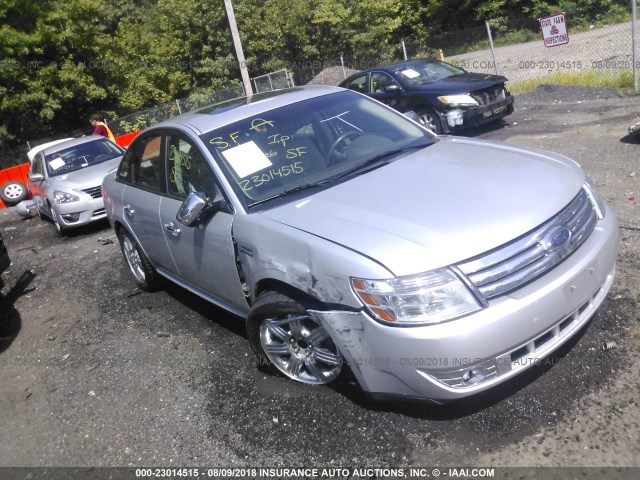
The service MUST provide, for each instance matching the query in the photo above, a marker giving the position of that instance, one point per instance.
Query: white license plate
(494, 112)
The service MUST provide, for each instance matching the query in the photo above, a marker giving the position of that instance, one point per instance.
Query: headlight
(459, 100)
(595, 197)
(426, 298)
(64, 197)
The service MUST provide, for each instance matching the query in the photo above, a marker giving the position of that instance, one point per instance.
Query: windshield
(314, 142)
(81, 156)
(426, 71)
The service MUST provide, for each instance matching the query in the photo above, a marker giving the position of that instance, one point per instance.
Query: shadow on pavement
(10, 321)
(633, 137)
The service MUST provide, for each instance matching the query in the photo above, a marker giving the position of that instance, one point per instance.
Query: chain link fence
(599, 48)
(272, 81)
(145, 118)
(602, 54)
(10, 157)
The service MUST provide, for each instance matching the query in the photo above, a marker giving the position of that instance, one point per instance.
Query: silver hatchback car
(65, 180)
(348, 236)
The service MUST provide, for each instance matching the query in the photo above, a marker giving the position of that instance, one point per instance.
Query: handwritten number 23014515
(271, 174)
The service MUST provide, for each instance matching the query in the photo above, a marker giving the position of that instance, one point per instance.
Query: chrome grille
(527, 258)
(95, 192)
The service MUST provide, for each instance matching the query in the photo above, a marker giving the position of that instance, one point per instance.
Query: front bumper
(487, 113)
(514, 333)
(82, 212)
(475, 116)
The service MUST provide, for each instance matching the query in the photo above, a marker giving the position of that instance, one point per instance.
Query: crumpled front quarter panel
(269, 250)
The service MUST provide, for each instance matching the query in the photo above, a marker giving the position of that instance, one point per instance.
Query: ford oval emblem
(556, 238)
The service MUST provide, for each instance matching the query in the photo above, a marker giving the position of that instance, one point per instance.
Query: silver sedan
(65, 180)
(349, 237)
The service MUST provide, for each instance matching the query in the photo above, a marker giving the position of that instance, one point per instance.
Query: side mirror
(196, 206)
(392, 88)
(35, 177)
(191, 209)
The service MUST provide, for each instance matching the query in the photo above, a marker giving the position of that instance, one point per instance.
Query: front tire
(289, 341)
(428, 118)
(56, 222)
(145, 275)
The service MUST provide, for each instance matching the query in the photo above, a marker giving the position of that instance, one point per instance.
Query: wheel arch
(119, 227)
(279, 286)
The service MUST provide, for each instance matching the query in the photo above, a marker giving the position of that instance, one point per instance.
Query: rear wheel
(13, 192)
(429, 119)
(287, 339)
(146, 276)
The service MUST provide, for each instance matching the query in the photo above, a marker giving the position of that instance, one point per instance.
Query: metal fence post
(404, 50)
(634, 44)
(178, 104)
(493, 52)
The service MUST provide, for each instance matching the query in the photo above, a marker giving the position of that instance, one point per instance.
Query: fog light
(475, 375)
(71, 217)
(454, 117)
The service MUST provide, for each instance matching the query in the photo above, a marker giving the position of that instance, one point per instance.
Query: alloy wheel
(301, 349)
(133, 258)
(428, 120)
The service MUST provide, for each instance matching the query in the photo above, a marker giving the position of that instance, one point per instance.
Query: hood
(467, 82)
(86, 177)
(444, 204)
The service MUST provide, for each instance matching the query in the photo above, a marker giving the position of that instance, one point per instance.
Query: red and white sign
(554, 30)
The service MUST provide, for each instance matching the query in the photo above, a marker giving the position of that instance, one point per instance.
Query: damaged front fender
(272, 252)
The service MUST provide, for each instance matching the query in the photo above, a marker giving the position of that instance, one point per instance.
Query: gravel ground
(94, 372)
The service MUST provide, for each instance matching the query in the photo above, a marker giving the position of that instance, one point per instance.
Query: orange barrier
(126, 139)
(19, 173)
(14, 174)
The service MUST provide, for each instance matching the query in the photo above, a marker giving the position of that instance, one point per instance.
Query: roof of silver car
(71, 143)
(43, 146)
(223, 113)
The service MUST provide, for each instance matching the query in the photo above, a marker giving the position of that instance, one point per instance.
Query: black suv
(446, 98)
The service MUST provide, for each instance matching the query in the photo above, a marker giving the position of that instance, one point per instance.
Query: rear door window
(142, 165)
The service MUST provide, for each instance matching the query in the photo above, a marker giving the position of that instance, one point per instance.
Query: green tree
(183, 46)
(45, 47)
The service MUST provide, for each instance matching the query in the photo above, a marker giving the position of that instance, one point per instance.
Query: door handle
(128, 210)
(171, 227)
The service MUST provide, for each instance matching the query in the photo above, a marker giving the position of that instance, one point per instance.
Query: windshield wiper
(379, 160)
(286, 192)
